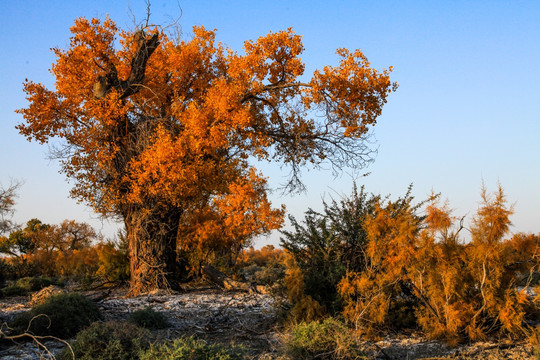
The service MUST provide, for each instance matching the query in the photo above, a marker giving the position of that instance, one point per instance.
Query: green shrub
(325, 245)
(13, 290)
(32, 283)
(36, 283)
(330, 339)
(13, 269)
(148, 318)
(190, 348)
(62, 315)
(108, 340)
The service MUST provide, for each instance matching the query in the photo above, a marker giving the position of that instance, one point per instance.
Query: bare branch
(38, 339)
(7, 201)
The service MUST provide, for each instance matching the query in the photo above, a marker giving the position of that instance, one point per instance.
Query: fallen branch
(35, 338)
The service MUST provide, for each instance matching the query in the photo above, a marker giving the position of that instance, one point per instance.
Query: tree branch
(104, 84)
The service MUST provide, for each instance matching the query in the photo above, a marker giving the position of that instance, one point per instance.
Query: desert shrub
(265, 266)
(13, 290)
(267, 256)
(459, 292)
(80, 264)
(487, 300)
(329, 339)
(33, 283)
(189, 348)
(60, 315)
(20, 267)
(148, 318)
(36, 283)
(329, 243)
(107, 341)
(45, 261)
(248, 272)
(269, 276)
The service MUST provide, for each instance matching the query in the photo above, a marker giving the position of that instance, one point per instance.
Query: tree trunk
(152, 235)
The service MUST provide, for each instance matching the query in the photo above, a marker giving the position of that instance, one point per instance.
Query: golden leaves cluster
(463, 290)
(182, 137)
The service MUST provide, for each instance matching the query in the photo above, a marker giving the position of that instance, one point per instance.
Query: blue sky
(466, 111)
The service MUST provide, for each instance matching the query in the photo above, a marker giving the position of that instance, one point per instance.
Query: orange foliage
(102, 262)
(266, 256)
(227, 224)
(65, 250)
(159, 132)
(391, 231)
(462, 291)
(305, 308)
(473, 289)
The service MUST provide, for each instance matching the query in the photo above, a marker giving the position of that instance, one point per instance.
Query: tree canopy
(160, 132)
(69, 235)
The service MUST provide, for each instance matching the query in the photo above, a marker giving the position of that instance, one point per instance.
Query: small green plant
(107, 341)
(189, 348)
(62, 315)
(148, 318)
(330, 339)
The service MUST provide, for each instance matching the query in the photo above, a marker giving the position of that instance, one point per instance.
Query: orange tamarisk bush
(474, 289)
(159, 132)
(102, 263)
(439, 274)
(305, 308)
(391, 229)
(500, 305)
(463, 291)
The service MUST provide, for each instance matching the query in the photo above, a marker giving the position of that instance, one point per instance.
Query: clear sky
(466, 111)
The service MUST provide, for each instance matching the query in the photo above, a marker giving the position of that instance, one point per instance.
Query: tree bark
(132, 85)
(152, 237)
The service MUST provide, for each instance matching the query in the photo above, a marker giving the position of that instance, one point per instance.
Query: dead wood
(104, 84)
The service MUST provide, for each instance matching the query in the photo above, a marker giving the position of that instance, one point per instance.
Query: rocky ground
(245, 318)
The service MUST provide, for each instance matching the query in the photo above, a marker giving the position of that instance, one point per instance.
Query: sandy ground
(248, 319)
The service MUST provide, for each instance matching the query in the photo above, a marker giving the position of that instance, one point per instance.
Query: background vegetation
(364, 266)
